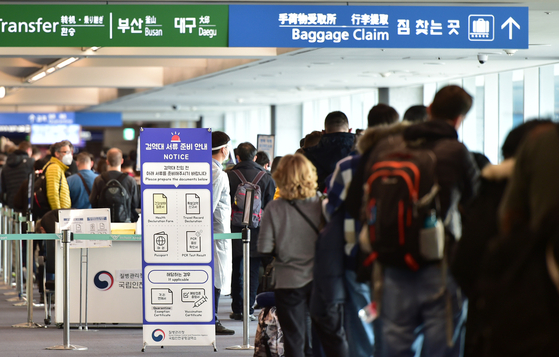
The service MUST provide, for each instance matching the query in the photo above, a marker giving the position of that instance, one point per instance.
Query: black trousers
(237, 284)
(294, 318)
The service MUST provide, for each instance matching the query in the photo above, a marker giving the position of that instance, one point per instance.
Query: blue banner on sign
(378, 26)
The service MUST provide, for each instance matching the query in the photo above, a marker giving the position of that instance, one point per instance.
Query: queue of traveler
(398, 241)
(64, 180)
(393, 241)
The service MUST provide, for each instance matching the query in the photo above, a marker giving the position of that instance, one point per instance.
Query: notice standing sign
(177, 246)
(378, 26)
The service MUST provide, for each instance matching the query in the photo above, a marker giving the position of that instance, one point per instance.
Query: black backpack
(41, 203)
(115, 196)
(400, 199)
(239, 201)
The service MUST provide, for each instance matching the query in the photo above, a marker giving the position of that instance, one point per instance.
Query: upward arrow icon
(510, 22)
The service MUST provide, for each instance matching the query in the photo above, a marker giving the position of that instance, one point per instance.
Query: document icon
(193, 242)
(160, 242)
(159, 203)
(192, 203)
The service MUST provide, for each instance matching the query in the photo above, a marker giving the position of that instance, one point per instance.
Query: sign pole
(67, 237)
(247, 218)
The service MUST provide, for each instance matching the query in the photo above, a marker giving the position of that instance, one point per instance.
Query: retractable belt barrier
(66, 237)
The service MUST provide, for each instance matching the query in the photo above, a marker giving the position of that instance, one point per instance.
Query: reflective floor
(106, 341)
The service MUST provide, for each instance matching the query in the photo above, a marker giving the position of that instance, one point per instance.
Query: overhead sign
(62, 118)
(113, 25)
(177, 228)
(378, 26)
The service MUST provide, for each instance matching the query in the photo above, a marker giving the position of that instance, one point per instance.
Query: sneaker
(222, 330)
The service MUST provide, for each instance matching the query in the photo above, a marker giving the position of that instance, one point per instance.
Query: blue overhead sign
(378, 26)
(84, 119)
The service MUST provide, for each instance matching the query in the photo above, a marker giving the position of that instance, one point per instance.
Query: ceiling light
(93, 48)
(66, 62)
(385, 74)
(2, 92)
(37, 76)
(49, 69)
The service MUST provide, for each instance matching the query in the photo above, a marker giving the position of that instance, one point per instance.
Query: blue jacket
(78, 193)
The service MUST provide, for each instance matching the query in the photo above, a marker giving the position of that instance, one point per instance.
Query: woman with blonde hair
(289, 230)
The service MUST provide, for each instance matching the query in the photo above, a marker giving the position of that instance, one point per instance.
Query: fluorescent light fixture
(92, 48)
(66, 62)
(50, 68)
(2, 92)
(38, 76)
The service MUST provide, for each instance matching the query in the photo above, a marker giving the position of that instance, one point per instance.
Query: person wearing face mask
(58, 192)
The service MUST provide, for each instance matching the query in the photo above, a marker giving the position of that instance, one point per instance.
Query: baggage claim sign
(378, 26)
(177, 246)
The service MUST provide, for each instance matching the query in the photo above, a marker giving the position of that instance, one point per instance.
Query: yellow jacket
(58, 192)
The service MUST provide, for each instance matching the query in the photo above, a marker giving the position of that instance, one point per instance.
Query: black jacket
(16, 170)
(331, 148)
(250, 169)
(456, 171)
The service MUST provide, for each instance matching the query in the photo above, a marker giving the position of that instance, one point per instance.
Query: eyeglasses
(65, 152)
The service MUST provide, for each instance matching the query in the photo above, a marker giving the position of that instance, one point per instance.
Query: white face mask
(67, 159)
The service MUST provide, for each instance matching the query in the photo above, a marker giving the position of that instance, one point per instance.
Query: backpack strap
(313, 226)
(258, 177)
(240, 176)
(84, 184)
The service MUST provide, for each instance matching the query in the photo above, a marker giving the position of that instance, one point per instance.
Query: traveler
(221, 201)
(58, 193)
(16, 170)
(289, 232)
(123, 205)
(383, 121)
(480, 230)
(411, 300)
(335, 144)
(249, 169)
(81, 183)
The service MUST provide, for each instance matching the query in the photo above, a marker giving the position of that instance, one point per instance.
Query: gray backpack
(239, 201)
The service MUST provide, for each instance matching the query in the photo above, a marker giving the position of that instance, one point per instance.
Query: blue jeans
(413, 303)
(360, 337)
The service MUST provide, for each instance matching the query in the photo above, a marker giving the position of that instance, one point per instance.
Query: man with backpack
(247, 174)
(414, 183)
(116, 190)
(80, 183)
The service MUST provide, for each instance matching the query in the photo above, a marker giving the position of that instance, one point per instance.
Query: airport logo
(158, 335)
(175, 138)
(103, 280)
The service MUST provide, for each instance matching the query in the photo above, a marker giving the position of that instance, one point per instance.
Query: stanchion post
(67, 237)
(20, 299)
(247, 218)
(7, 214)
(29, 284)
(5, 269)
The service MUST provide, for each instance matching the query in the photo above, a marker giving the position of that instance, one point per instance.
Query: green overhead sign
(113, 25)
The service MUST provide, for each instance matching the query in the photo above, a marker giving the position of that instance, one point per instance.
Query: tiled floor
(113, 341)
